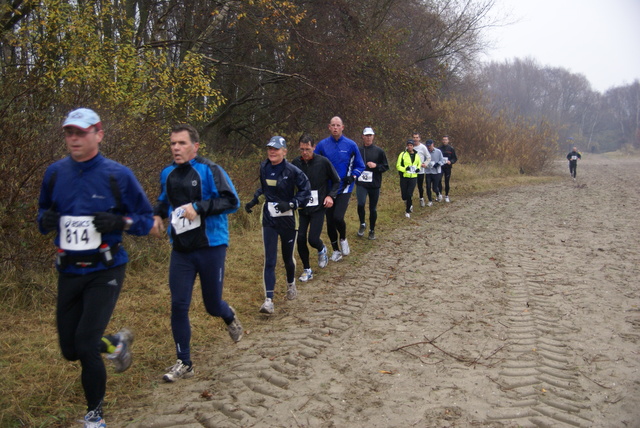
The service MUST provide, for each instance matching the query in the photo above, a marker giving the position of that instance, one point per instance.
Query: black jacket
(321, 174)
(375, 154)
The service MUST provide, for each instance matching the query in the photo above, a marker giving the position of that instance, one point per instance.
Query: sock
(107, 345)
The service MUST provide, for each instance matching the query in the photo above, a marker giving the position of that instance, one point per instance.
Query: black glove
(108, 222)
(348, 180)
(252, 203)
(50, 220)
(283, 207)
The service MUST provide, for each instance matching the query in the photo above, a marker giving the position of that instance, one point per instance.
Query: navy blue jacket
(291, 186)
(84, 188)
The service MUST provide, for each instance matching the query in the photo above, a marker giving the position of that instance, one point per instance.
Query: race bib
(574, 157)
(77, 233)
(182, 224)
(445, 159)
(275, 212)
(412, 169)
(313, 200)
(366, 177)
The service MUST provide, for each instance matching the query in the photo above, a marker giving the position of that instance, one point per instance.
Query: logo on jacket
(194, 183)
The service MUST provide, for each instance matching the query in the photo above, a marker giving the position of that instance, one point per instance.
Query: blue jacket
(206, 186)
(345, 157)
(291, 186)
(82, 188)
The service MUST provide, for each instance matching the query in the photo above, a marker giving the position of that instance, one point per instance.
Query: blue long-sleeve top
(345, 156)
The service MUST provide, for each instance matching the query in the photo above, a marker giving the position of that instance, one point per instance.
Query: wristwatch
(128, 222)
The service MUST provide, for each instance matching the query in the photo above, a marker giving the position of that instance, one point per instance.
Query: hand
(283, 207)
(348, 180)
(108, 222)
(50, 220)
(252, 203)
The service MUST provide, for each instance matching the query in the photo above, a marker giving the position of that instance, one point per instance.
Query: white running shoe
(292, 291)
(429, 204)
(323, 258)
(93, 420)
(267, 306)
(422, 202)
(178, 371)
(307, 274)
(121, 357)
(446, 199)
(235, 328)
(407, 215)
(336, 256)
(440, 197)
(344, 247)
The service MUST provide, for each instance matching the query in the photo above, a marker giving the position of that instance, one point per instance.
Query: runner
(425, 157)
(284, 188)
(370, 181)
(197, 195)
(89, 201)
(433, 172)
(449, 157)
(345, 157)
(324, 182)
(573, 157)
(408, 165)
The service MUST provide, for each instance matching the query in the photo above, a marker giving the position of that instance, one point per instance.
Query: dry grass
(41, 389)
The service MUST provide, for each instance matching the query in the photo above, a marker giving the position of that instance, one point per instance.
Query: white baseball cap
(368, 131)
(82, 118)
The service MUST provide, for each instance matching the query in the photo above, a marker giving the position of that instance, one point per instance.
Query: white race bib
(182, 224)
(412, 169)
(574, 157)
(445, 159)
(366, 177)
(313, 200)
(77, 233)
(275, 212)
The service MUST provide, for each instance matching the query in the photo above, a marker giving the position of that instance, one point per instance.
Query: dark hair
(193, 133)
(307, 139)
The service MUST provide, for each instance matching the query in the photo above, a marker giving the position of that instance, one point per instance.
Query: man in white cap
(370, 181)
(89, 201)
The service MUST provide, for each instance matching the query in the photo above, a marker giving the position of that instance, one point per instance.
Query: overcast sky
(597, 38)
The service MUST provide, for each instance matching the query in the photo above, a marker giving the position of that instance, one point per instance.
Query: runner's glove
(50, 220)
(283, 207)
(252, 203)
(108, 222)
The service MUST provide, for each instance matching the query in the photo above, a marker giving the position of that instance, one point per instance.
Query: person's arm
(383, 165)
(227, 200)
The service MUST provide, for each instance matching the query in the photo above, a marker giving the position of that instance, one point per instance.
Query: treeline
(242, 71)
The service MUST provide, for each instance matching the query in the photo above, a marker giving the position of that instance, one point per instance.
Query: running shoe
(178, 371)
(307, 274)
(411, 209)
(323, 258)
(422, 202)
(372, 235)
(235, 328)
(344, 247)
(429, 203)
(407, 215)
(122, 357)
(292, 291)
(439, 198)
(362, 229)
(267, 306)
(446, 199)
(336, 256)
(94, 420)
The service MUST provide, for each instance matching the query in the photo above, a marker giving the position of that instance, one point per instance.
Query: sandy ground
(514, 309)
